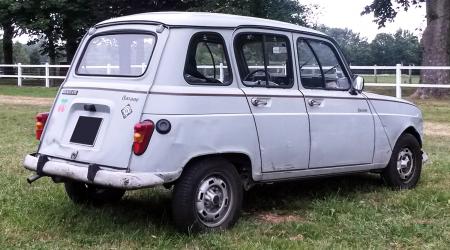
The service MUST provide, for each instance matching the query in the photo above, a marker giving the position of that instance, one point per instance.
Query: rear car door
(265, 63)
(341, 123)
(92, 120)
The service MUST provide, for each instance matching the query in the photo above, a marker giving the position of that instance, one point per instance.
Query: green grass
(415, 79)
(28, 91)
(355, 211)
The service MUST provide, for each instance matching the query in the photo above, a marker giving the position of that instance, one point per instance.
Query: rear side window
(117, 55)
(264, 60)
(320, 66)
(207, 61)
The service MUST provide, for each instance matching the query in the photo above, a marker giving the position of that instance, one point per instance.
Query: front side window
(207, 61)
(264, 60)
(320, 67)
(117, 55)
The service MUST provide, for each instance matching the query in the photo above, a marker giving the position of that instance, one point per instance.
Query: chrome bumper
(103, 177)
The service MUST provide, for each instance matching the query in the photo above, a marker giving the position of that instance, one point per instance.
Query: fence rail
(375, 69)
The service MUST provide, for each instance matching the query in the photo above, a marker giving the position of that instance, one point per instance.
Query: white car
(212, 104)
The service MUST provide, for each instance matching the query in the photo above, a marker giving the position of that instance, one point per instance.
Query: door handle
(259, 101)
(314, 102)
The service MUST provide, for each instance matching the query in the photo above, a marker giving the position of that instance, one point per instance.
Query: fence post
(221, 74)
(47, 74)
(398, 80)
(410, 74)
(19, 74)
(375, 73)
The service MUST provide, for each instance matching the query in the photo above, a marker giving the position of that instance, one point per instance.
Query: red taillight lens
(41, 119)
(142, 133)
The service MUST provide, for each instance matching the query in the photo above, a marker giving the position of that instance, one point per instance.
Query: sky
(347, 14)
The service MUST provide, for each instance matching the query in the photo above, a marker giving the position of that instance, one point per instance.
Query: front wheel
(405, 165)
(208, 196)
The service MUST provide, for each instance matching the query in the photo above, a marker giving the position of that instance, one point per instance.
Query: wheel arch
(241, 161)
(413, 131)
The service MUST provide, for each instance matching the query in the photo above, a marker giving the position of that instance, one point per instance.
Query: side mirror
(358, 84)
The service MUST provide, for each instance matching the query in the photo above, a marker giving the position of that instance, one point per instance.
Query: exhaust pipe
(33, 178)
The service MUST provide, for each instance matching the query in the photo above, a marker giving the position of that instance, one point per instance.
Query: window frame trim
(227, 57)
(116, 32)
(238, 58)
(335, 51)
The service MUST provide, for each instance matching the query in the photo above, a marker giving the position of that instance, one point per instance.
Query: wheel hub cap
(213, 201)
(405, 163)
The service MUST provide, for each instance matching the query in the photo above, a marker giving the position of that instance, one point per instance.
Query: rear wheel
(405, 165)
(80, 193)
(208, 196)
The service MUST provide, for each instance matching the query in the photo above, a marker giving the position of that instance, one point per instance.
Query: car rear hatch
(93, 117)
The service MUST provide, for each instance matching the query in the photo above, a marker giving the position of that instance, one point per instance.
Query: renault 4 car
(210, 105)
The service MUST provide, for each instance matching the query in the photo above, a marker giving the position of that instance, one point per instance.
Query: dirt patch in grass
(279, 218)
(25, 100)
(437, 129)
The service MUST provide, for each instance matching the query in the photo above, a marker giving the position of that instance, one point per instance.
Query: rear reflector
(41, 119)
(142, 133)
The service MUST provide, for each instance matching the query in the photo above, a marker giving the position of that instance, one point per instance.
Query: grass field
(355, 211)
(415, 79)
(28, 91)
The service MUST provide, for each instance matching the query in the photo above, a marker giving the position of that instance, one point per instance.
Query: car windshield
(117, 55)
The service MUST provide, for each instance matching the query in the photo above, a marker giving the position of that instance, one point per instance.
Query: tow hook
(33, 178)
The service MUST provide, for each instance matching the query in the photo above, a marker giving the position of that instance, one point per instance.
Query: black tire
(402, 172)
(222, 179)
(81, 193)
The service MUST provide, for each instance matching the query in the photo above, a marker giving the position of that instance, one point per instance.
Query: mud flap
(40, 164)
(92, 172)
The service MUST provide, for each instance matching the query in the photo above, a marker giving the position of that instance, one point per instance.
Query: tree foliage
(282, 10)
(387, 10)
(435, 39)
(386, 49)
(60, 24)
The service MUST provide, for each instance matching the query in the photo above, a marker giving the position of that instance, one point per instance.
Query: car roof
(204, 19)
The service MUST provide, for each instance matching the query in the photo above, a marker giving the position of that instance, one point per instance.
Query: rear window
(117, 55)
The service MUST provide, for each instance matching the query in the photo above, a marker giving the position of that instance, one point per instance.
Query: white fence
(282, 68)
(398, 77)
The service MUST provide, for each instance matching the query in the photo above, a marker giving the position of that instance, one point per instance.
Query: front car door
(341, 123)
(265, 63)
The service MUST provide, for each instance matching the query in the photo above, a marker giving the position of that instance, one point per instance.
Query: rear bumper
(103, 177)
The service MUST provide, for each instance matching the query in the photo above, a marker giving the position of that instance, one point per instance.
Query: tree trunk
(71, 48)
(436, 49)
(8, 35)
(51, 50)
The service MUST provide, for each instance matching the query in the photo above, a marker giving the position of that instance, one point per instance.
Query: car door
(267, 77)
(341, 123)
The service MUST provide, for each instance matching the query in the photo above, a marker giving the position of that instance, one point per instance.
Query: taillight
(142, 133)
(41, 119)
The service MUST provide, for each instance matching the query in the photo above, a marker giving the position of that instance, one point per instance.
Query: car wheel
(405, 165)
(207, 197)
(80, 193)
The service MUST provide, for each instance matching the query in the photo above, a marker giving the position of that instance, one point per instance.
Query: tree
(407, 49)
(64, 22)
(435, 40)
(355, 48)
(282, 10)
(7, 19)
(382, 49)
(42, 19)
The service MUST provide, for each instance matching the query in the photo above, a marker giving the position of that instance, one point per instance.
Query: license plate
(86, 130)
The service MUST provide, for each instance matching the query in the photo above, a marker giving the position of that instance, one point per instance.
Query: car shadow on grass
(151, 209)
(299, 194)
